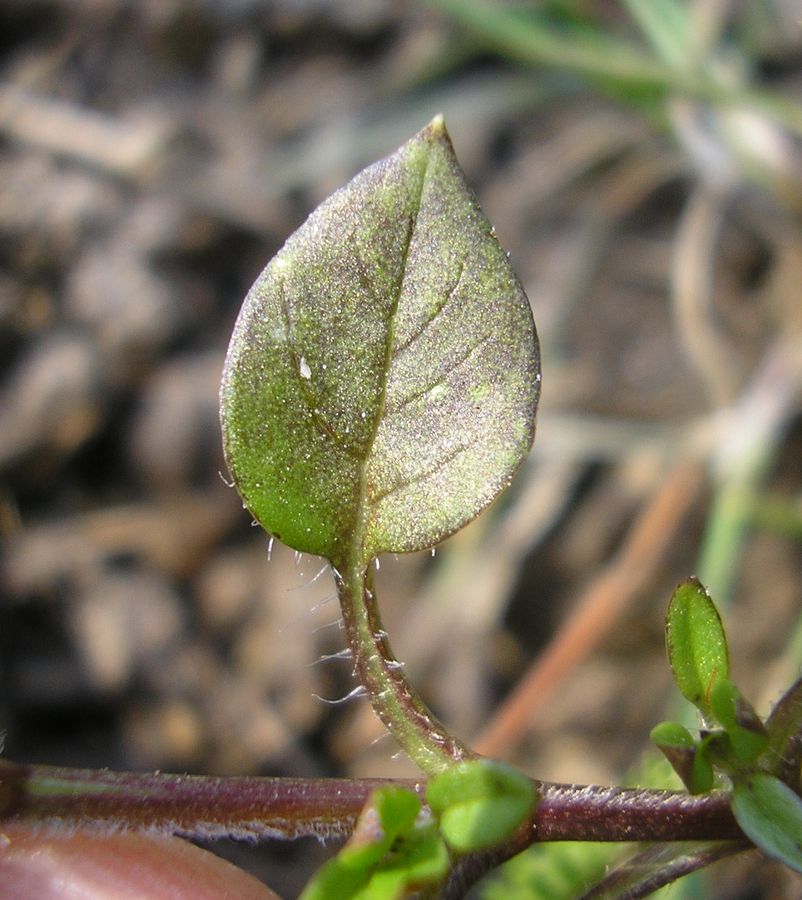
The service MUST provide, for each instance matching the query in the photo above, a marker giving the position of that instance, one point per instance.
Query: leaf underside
(381, 383)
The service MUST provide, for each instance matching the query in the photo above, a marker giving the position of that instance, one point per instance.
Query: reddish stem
(198, 806)
(261, 808)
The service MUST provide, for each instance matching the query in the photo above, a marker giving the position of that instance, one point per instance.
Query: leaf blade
(381, 384)
(480, 803)
(696, 644)
(770, 814)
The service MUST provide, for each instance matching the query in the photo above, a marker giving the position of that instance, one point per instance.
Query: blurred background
(641, 161)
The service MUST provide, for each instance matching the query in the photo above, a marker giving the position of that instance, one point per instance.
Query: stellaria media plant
(379, 392)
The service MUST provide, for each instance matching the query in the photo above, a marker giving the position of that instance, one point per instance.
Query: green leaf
(688, 758)
(421, 859)
(389, 813)
(784, 727)
(747, 734)
(387, 853)
(480, 803)
(770, 815)
(673, 735)
(702, 774)
(696, 645)
(381, 383)
(335, 880)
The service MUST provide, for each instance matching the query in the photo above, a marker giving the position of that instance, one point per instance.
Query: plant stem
(196, 806)
(261, 808)
(395, 701)
(567, 812)
(570, 812)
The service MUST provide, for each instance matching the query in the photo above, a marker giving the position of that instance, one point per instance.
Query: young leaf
(745, 730)
(421, 860)
(702, 774)
(387, 853)
(480, 803)
(770, 814)
(389, 814)
(697, 647)
(672, 735)
(784, 727)
(381, 383)
(687, 757)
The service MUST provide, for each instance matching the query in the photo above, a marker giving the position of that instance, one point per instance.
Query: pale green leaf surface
(480, 803)
(747, 734)
(687, 758)
(672, 734)
(381, 383)
(696, 644)
(770, 814)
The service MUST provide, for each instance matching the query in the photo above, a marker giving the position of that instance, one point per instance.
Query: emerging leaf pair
(749, 754)
(395, 848)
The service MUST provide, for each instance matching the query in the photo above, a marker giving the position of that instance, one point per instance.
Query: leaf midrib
(357, 543)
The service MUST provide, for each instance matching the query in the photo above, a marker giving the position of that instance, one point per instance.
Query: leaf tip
(437, 127)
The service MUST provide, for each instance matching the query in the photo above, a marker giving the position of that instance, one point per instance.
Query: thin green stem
(395, 701)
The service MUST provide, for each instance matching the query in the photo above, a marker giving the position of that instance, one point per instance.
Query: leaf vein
(320, 422)
(394, 408)
(422, 476)
(358, 534)
(426, 324)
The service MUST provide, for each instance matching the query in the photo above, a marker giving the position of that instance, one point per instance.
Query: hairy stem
(195, 806)
(261, 808)
(395, 701)
(568, 812)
